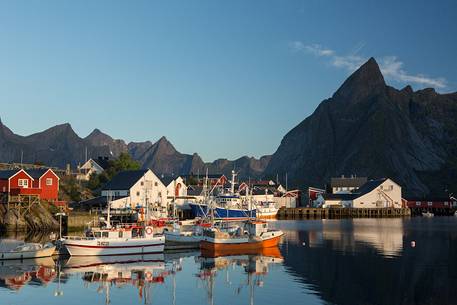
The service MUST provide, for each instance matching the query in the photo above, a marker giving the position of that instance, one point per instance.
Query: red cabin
(41, 182)
(17, 182)
(47, 181)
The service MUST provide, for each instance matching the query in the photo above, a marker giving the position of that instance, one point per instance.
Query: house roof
(37, 173)
(369, 186)
(194, 190)
(125, 180)
(98, 201)
(103, 162)
(6, 174)
(166, 180)
(348, 181)
(329, 196)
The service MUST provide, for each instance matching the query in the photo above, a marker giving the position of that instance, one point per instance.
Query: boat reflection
(104, 272)
(255, 263)
(15, 274)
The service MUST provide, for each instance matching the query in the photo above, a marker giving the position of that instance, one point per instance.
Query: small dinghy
(21, 250)
(428, 214)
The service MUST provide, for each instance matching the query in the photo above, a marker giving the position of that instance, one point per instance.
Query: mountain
(60, 145)
(370, 129)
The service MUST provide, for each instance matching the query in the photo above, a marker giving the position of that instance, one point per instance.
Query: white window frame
(48, 181)
(24, 183)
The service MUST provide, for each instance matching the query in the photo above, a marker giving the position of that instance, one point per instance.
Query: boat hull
(99, 247)
(242, 244)
(201, 210)
(47, 252)
(175, 241)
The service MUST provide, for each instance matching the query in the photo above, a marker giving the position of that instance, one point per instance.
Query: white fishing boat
(266, 210)
(428, 214)
(183, 235)
(10, 250)
(121, 239)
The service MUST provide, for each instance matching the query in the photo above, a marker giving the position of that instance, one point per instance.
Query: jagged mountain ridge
(371, 129)
(60, 145)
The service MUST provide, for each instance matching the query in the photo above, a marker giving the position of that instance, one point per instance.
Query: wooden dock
(330, 213)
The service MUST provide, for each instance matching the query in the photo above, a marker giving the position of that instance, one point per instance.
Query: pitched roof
(103, 162)
(342, 196)
(37, 173)
(125, 180)
(348, 181)
(6, 174)
(99, 201)
(166, 180)
(369, 186)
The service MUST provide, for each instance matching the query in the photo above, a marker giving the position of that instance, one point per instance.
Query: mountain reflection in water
(359, 261)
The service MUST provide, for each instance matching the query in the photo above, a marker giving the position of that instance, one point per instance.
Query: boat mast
(108, 216)
(232, 183)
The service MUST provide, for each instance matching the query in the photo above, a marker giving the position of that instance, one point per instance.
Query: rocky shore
(36, 219)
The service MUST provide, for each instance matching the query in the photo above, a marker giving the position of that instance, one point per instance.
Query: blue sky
(221, 78)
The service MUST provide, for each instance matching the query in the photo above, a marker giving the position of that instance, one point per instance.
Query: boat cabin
(256, 228)
(119, 233)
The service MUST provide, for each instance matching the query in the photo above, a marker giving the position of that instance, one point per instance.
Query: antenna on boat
(108, 203)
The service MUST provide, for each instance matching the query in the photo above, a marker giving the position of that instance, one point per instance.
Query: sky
(220, 78)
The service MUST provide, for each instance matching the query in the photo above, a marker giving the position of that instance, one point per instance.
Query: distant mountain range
(366, 128)
(60, 145)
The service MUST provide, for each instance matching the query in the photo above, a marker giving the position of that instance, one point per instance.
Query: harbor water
(346, 261)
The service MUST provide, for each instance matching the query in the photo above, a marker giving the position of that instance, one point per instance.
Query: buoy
(303, 244)
(413, 244)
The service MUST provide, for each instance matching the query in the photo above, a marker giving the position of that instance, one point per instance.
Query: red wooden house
(43, 183)
(47, 181)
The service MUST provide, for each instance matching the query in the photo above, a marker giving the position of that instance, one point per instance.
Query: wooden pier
(330, 213)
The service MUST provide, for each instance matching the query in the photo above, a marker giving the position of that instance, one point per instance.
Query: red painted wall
(4, 186)
(49, 192)
(14, 181)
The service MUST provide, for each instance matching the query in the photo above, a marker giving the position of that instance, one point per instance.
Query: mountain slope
(370, 129)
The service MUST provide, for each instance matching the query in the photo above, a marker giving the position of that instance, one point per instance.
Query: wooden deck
(320, 213)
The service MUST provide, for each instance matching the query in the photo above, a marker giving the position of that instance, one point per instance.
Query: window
(142, 183)
(121, 234)
(391, 187)
(23, 183)
(156, 183)
(138, 193)
(105, 234)
(97, 234)
(48, 181)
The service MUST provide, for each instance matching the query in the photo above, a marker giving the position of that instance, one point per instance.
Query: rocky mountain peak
(365, 81)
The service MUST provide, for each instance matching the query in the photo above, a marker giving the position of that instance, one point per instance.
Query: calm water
(360, 261)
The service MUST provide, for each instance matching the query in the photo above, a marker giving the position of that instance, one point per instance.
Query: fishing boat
(121, 239)
(266, 210)
(10, 250)
(253, 234)
(428, 214)
(183, 235)
(226, 205)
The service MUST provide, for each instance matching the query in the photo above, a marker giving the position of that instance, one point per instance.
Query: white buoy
(413, 244)
(304, 244)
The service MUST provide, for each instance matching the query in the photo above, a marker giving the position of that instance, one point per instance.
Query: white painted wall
(388, 194)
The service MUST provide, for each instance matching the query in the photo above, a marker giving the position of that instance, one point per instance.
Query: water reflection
(15, 274)
(360, 261)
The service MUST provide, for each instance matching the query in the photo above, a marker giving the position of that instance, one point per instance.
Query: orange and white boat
(251, 235)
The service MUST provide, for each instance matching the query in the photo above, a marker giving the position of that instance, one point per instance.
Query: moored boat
(251, 235)
(22, 250)
(183, 236)
(119, 240)
(428, 214)
(266, 210)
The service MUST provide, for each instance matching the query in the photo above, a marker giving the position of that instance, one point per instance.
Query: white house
(380, 193)
(346, 184)
(138, 189)
(91, 167)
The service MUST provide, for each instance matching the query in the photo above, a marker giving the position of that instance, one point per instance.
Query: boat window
(97, 234)
(105, 234)
(121, 234)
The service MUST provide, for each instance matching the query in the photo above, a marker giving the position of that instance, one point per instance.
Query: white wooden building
(138, 189)
(380, 193)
